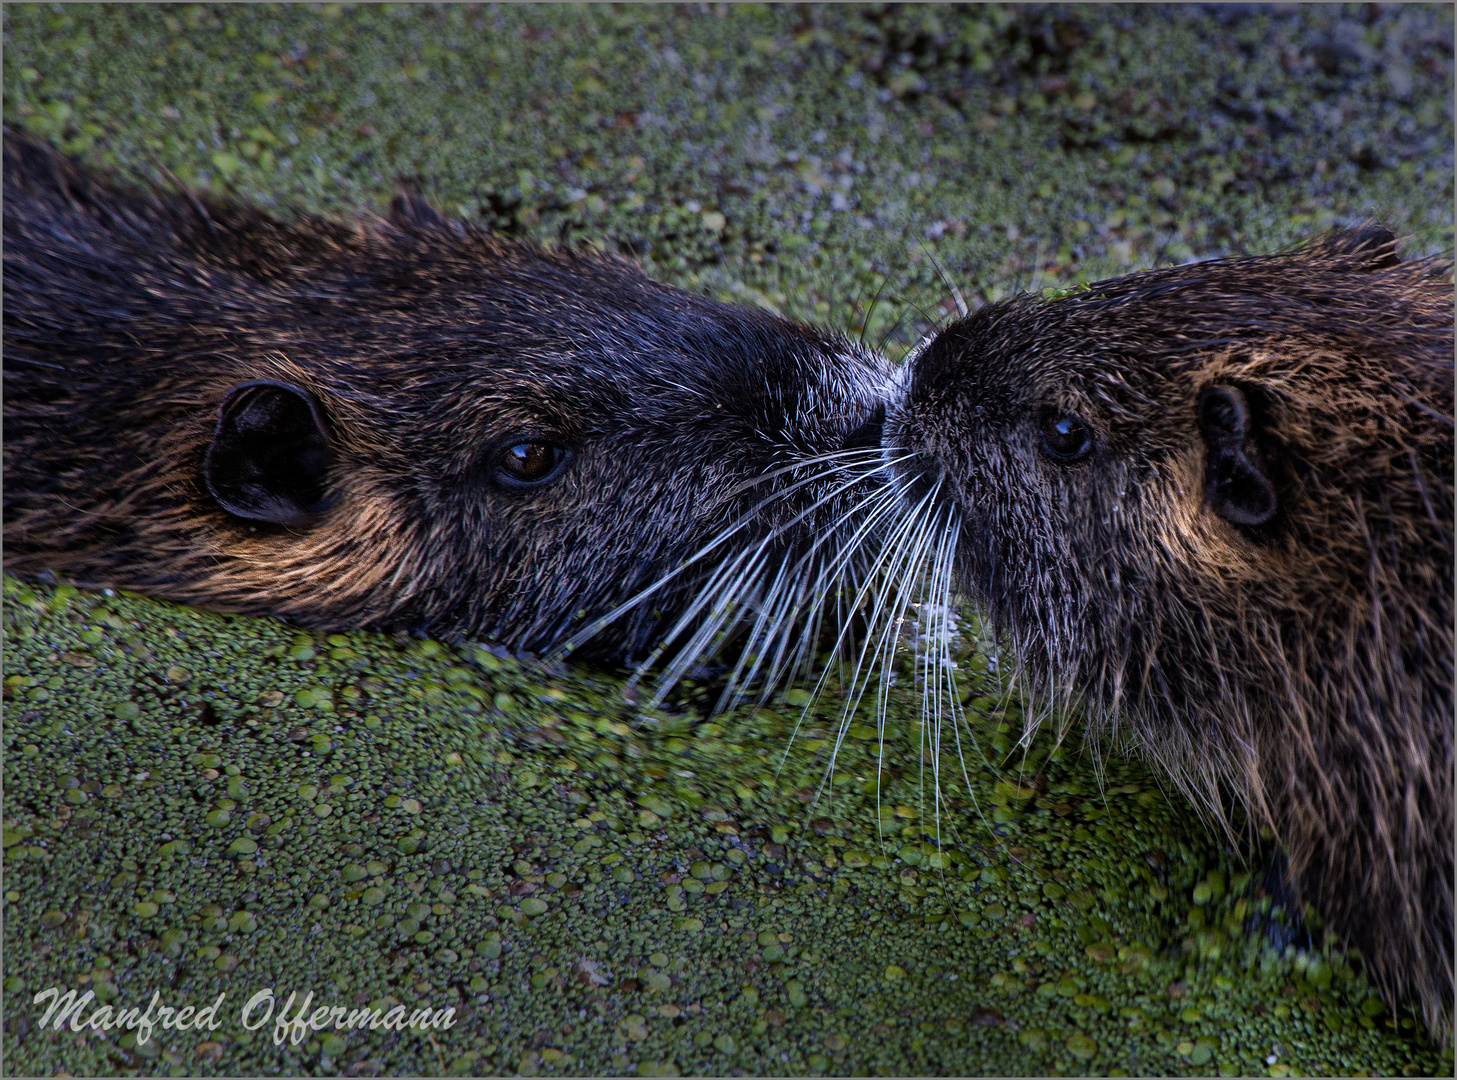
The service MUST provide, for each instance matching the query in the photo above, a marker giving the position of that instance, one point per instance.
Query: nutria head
(392, 423)
(1214, 505)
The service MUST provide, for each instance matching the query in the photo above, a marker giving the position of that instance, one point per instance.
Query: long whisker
(909, 580)
(835, 570)
(894, 553)
(939, 674)
(729, 584)
(721, 538)
(891, 502)
(866, 454)
(961, 307)
(817, 589)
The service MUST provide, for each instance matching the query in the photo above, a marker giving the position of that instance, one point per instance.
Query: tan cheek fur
(365, 548)
(1191, 537)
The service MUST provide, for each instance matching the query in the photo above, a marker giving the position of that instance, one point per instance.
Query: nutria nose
(868, 434)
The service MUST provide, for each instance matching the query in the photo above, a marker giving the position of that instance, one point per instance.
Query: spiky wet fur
(129, 314)
(1302, 668)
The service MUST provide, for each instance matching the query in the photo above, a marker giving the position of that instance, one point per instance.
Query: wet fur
(1302, 666)
(129, 315)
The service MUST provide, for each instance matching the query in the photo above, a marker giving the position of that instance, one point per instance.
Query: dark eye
(1065, 438)
(526, 464)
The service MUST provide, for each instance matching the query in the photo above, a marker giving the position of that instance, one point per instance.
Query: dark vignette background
(199, 804)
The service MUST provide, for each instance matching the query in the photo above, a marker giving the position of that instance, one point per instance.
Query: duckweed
(451, 905)
(1007, 163)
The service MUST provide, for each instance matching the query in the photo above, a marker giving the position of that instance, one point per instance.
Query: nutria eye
(529, 463)
(1065, 438)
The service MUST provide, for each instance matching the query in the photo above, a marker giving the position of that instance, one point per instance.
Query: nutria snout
(1214, 504)
(392, 423)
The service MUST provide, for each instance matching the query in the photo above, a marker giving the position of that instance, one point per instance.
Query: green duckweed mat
(198, 805)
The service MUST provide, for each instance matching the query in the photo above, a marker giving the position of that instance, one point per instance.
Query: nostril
(869, 433)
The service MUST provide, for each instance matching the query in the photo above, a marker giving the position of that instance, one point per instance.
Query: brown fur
(426, 347)
(1301, 664)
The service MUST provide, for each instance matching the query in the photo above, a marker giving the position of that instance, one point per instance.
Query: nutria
(1214, 502)
(402, 423)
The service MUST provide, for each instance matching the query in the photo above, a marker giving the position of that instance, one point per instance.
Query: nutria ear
(409, 210)
(1368, 247)
(270, 455)
(1235, 485)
